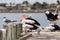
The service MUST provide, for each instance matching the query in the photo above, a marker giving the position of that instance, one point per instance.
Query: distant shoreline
(22, 11)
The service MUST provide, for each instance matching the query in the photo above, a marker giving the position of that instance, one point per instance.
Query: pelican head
(4, 18)
(47, 12)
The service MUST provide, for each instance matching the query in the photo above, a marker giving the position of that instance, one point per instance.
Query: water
(40, 17)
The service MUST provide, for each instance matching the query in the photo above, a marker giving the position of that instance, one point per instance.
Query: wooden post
(13, 31)
(2, 34)
(19, 30)
(10, 32)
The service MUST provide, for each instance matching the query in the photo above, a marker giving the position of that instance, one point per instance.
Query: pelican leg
(25, 30)
(38, 31)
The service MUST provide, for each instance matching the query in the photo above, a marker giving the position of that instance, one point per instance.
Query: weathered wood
(9, 33)
(0, 35)
(13, 31)
(45, 36)
(19, 30)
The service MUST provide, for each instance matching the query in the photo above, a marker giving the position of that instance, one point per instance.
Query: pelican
(51, 16)
(30, 23)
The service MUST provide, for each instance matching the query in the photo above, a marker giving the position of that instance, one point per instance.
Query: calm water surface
(40, 17)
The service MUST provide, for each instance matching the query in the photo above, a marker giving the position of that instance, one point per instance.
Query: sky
(30, 1)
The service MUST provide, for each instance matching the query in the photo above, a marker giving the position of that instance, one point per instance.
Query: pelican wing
(34, 26)
(36, 22)
(29, 21)
(56, 27)
(28, 26)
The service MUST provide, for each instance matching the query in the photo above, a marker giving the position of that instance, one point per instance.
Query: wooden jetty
(14, 31)
(45, 36)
